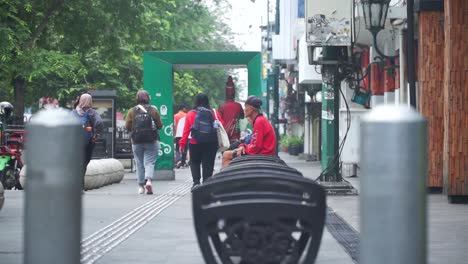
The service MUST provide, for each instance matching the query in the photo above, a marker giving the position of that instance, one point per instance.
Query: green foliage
(284, 141)
(296, 141)
(291, 141)
(60, 48)
(185, 88)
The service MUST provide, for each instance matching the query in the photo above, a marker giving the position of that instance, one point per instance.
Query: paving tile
(170, 238)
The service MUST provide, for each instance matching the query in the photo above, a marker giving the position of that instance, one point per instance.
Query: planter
(294, 150)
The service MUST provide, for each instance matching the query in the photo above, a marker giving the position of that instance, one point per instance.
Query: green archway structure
(158, 67)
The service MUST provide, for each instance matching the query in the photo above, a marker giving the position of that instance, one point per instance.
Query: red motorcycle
(11, 147)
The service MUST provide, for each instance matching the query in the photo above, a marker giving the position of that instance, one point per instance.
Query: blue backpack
(203, 129)
(87, 126)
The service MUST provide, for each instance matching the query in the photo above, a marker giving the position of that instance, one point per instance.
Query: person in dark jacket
(84, 106)
(146, 151)
(203, 154)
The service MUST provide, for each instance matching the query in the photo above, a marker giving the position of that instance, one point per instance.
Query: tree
(21, 60)
(59, 48)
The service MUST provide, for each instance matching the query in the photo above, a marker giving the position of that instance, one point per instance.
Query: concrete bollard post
(393, 186)
(53, 194)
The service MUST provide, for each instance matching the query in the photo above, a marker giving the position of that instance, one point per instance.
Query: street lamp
(375, 14)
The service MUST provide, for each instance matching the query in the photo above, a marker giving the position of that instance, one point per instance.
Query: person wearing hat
(263, 139)
(231, 112)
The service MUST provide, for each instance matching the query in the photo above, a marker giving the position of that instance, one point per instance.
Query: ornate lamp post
(375, 15)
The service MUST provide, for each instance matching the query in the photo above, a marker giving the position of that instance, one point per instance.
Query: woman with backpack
(92, 126)
(143, 122)
(199, 122)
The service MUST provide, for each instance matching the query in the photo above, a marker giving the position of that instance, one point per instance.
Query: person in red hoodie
(263, 139)
(203, 143)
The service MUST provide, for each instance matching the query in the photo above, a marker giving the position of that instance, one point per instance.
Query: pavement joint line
(131, 229)
(124, 226)
(126, 217)
(110, 247)
(147, 211)
(109, 244)
(110, 231)
(115, 233)
(93, 247)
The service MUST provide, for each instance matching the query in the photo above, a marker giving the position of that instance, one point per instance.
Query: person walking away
(178, 134)
(263, 137)
(199, 123)
(92, 127)
(231, 112)
(182, 162)
(143, 122)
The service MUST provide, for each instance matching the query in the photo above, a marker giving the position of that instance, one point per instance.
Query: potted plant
(296, 145)
(284, 143)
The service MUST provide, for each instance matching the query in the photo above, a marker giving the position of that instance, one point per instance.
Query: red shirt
(189, 120)
(231, 111)
(263, 138)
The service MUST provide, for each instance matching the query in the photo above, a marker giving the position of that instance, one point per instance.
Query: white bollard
(393, 187)
(53, 193)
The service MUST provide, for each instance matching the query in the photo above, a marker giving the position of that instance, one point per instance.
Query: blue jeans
(145, 155)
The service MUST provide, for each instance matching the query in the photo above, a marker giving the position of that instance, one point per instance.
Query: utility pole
(330, 124)
(330, 178)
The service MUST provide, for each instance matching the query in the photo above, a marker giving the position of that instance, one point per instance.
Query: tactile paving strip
(107, 238)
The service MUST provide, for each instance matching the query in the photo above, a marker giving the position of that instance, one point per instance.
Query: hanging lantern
(375, 14)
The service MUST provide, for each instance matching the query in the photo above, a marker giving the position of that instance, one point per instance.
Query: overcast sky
(245, 20)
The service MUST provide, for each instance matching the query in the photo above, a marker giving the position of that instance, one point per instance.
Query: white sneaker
(141, 190)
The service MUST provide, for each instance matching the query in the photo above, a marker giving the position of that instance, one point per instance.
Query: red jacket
(263, 138)
(231, 112)
(189, 120)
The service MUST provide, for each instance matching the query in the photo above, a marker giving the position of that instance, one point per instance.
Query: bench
(100, 150)
(123, 150)
(259, 210)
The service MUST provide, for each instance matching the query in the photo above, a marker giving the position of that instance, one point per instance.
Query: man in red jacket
(263, 140)
(231, 112)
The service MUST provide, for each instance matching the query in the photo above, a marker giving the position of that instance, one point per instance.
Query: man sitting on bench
(263, 140)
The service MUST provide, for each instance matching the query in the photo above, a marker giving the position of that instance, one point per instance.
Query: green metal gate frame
(158, 68)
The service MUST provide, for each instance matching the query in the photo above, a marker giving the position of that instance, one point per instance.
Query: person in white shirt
(179, 131)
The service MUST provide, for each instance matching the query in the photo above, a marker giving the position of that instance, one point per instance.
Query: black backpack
(144, 128)
(203, 128)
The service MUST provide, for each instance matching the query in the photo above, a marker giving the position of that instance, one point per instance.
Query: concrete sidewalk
(170, 239)
(447, 223)
(166, 234)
